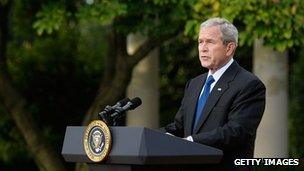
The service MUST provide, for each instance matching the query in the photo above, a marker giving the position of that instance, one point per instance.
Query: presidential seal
(97, 141)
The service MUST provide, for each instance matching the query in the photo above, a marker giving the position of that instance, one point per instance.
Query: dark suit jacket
(230, 117)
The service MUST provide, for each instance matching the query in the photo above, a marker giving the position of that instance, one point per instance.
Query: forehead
(212, 32)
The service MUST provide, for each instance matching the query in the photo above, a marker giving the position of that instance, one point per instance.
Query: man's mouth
(205, 57)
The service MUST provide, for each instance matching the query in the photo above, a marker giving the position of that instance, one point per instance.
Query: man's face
(213, 54)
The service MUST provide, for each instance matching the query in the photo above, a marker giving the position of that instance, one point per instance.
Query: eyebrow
(212, 40)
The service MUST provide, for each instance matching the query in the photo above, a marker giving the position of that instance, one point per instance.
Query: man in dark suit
(221, 108)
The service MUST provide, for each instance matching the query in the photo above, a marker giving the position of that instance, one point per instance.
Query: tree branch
(15, 105)
(44, 156)
(113, 90)
(146, 48)
(110, 59)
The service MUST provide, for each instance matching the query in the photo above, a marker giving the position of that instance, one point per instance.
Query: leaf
(281, 47)
(50, 18)
(287, 33)
(191, 28)
(104, 12)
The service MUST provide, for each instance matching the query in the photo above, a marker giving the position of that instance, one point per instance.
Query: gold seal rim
(108, 141)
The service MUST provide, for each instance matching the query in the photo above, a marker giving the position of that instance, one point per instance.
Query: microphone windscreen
(123, 102)
(135, 102)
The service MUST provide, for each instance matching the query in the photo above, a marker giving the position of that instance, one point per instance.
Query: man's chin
(205, 65)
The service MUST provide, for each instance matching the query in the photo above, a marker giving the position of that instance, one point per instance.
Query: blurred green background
(61, 61)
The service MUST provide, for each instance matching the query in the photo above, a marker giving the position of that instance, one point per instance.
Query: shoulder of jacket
(248, 76)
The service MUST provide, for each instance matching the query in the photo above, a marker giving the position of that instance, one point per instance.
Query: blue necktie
(202, 100)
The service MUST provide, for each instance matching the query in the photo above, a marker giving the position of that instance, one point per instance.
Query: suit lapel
(193, 101)
(221, 86)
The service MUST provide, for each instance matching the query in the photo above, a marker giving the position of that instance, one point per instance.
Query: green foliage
(92, 48)
(153, 18)
(176, 57)
(201, 10)
(3, 2)
(59, 72)
(296, 117)
(279, 23)
(192, 28)
(14, 148)
(104, 12)
(50, 18)
(58, 75)
(164, 2)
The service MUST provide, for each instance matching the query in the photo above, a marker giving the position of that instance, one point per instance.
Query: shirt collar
(217, 75)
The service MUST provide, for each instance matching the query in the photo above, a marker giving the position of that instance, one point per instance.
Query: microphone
(104, 114)
(132, 104)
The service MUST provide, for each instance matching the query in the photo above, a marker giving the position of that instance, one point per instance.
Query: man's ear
(230, 48)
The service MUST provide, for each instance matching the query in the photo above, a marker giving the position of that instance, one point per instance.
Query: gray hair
(228, 30)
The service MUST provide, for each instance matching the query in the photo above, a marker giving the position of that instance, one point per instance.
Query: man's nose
(203, 47)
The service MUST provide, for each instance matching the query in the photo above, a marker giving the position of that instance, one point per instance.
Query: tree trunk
(116, 75)
(144, 84)
(114, 85)
(44, 156)
(113, 90)
(272, 68)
